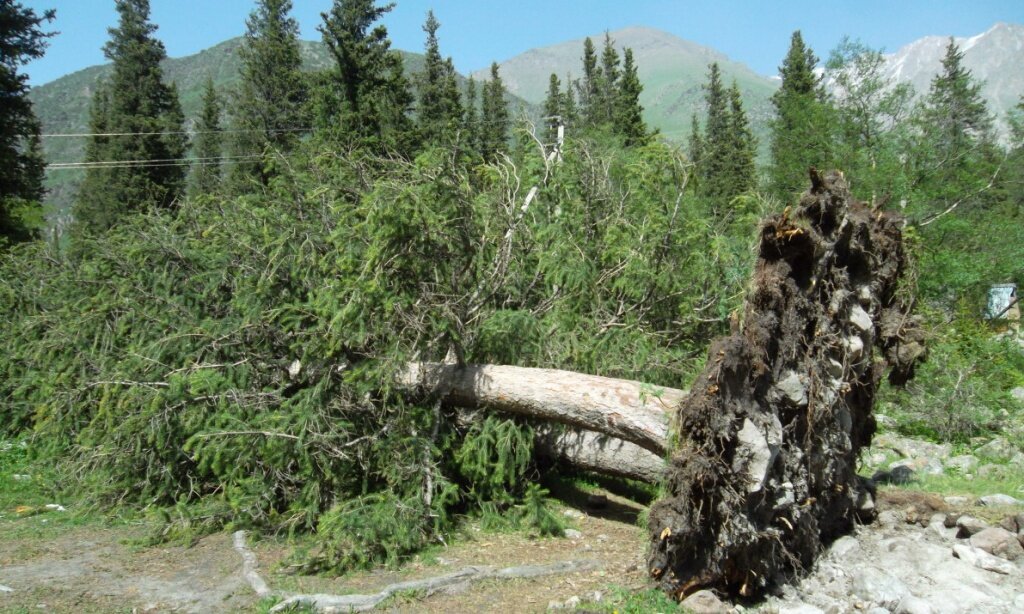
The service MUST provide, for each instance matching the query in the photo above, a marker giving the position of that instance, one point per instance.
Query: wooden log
(623, 409)
(599, 453)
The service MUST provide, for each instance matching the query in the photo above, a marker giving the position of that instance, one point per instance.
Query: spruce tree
(553, 108)
(269, 108)
(629, 115)
(742, 146)
(21, 161)
(495, 117)
(570, 110)
(801, 131)
(590, 88)
(368, 80)
(208, 146)
(471, 116)
(716, 180)
(439, 109)
(695, 147)
(955, 154)
(607, 90)
(137, 170)
(954, 109)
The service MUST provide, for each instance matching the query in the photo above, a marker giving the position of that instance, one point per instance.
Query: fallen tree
(769, 436)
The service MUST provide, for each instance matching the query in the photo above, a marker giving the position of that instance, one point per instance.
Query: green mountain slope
(672, 71)
(63, 105)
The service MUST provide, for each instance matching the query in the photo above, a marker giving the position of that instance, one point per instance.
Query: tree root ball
(765, 470)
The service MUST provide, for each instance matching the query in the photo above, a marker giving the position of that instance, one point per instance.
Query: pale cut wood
(623, 409)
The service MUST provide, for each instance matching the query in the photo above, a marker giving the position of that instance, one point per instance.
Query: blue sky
(475, 32)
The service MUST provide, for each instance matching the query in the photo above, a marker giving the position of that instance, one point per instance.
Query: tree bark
(622, 409)
(599, 453)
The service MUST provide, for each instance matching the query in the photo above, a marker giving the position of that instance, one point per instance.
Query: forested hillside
(269, 237)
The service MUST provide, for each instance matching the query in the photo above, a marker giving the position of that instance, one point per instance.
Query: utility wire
(188, 132)
(149, 163)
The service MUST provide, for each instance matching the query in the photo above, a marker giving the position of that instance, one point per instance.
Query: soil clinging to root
(765, 470)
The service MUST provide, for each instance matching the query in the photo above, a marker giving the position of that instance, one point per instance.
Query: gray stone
(993, 471)
(998, 499)
(854, 349)
(860, 318)
(956, 501)
(889, 519)
(912, 448)
(704, 602)
(998, 541)
(799, 608)
(573, 534)
(794, 388)
(914, 605)
(884, 421)
(983, 560)
(879, 587)
(756, 451)
(997, 449)
(969, 525)
(1017, 460)
(842, 547)
(922, 464)
(1018, 394)
(963, 463)
(572, 603)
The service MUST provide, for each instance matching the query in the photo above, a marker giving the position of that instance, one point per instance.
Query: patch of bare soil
(96, 569)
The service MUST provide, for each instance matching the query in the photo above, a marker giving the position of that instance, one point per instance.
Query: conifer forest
(366, 307)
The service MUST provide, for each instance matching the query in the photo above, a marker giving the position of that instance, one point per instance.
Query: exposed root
(765, 472)
(249, 566)
(454, 581)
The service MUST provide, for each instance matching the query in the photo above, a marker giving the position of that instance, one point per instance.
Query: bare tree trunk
(600, 453)
(623, 409)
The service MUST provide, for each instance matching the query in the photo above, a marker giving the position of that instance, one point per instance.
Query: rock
(956, 501)
(602, 537)
(993, 471)
(950, 521)
(922, 464)
(860, 318)
(793, 387)
(900, 474)
(573, 534)
(799, 608)
(889, 519)
(884, 421)
(983, 560)
(576, 514)
(998, 541)
(1017, 460)
(704, 602)
(572, 603)
(6, 589)
(880, 587)
(912, 448)
(963, 463)
(998, 499)
(937, 525)
(842, 547)
(1010, 524)
(1018, 394)
(756, 451)
(968, 526)
(555, 605)
(855, 350)
(914, 605)
(997, 449)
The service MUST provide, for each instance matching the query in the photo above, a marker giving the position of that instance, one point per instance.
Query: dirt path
(97, 569)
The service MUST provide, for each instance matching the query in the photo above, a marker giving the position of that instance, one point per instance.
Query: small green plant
(538, 514)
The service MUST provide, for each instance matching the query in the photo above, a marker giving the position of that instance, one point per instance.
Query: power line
(170, 132)
(150, 163)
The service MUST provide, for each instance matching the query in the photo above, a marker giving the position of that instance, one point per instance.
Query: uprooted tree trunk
(765, 470)
(770, 433)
